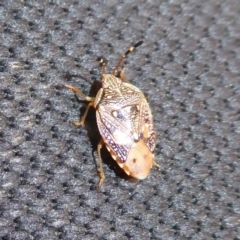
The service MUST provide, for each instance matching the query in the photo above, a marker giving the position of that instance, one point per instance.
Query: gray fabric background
(189, 67)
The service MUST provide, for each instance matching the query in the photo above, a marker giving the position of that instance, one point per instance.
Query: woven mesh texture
(189, 67)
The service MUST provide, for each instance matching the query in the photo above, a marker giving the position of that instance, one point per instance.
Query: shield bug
(124, 121)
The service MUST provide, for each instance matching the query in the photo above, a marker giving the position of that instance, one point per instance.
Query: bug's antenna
(103, 63)
(115, 71)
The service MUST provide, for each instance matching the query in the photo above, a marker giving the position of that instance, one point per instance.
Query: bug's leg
(100, 167)
(80, 95)
(156, 165)
(115, 71)
(82, 120)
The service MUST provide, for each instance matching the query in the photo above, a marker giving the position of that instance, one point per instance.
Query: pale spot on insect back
(115, 113)
(121, 138)
(139, 161)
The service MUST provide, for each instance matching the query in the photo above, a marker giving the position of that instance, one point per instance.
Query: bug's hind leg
(156, 165)
(80, 96)
(100, 167)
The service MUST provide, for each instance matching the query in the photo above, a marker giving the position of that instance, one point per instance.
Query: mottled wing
(114, 135)
(123, 127)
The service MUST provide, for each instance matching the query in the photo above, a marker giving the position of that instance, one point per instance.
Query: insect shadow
(94, 134)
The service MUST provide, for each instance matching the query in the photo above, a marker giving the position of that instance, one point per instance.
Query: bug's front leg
(100, 167)
(79, 93)
(81, 96)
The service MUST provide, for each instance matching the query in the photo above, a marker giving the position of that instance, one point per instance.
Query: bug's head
(110, 81)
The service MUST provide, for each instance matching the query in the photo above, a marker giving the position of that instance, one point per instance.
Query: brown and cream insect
(124, 120)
